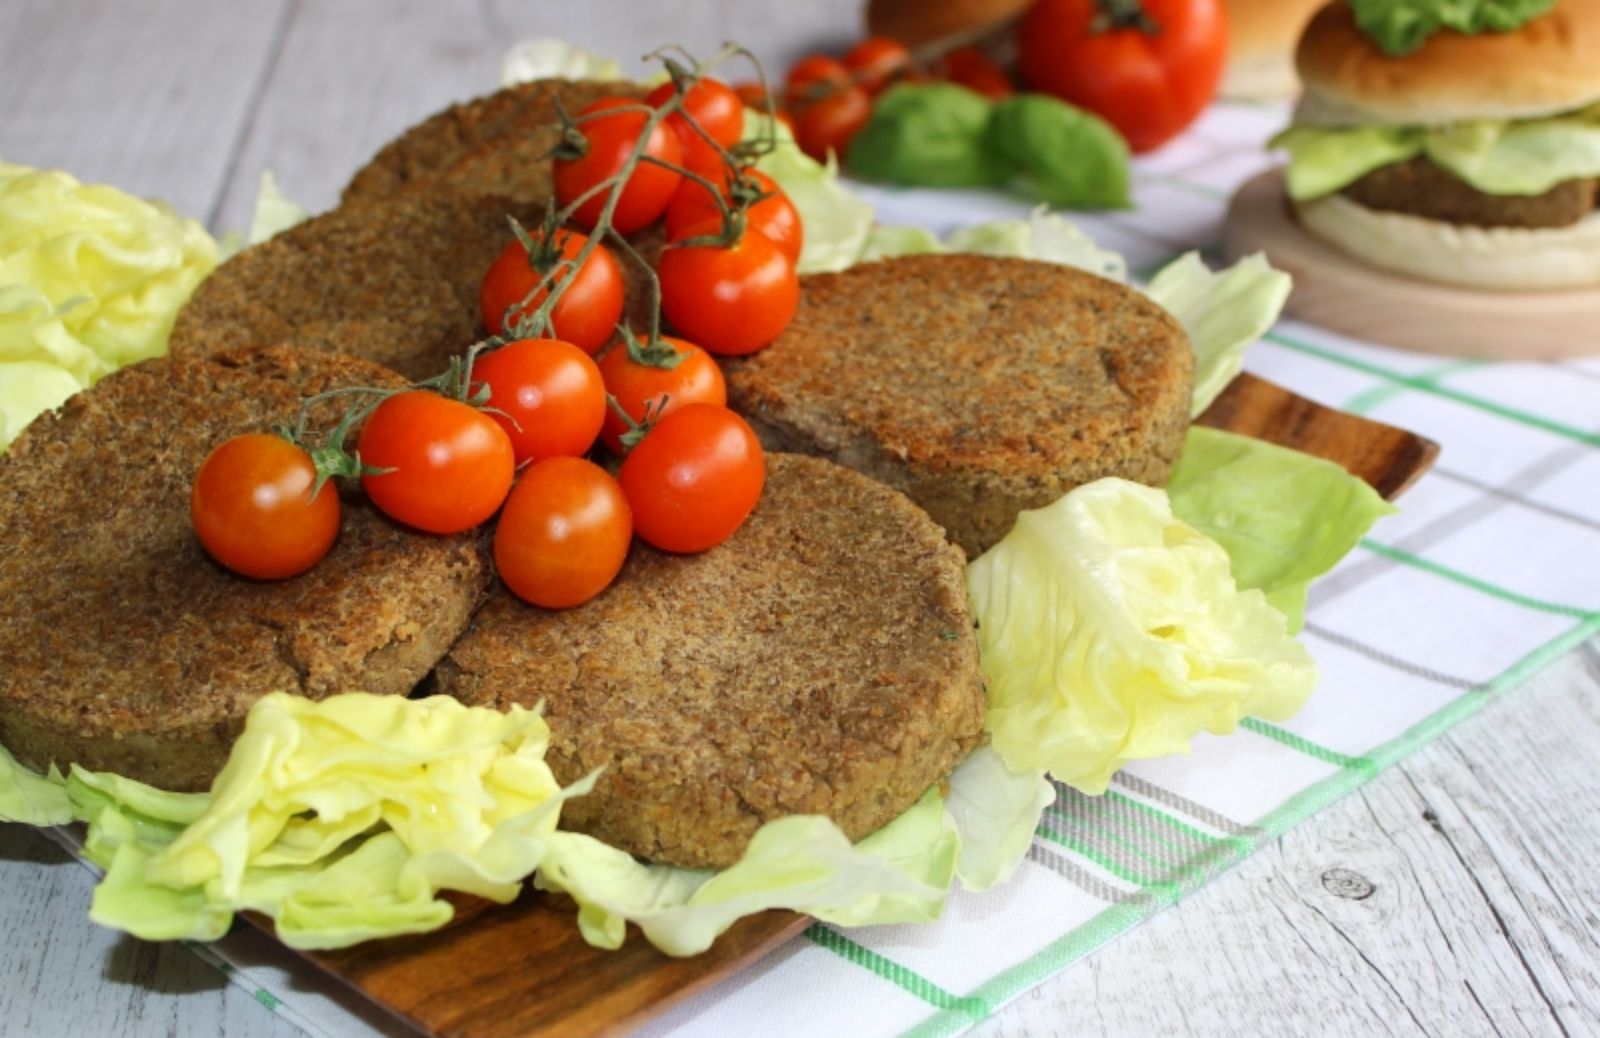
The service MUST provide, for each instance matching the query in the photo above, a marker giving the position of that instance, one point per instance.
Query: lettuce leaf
(901, 873)
(31, 798)
(1222, 311)
(836, 221)
(1284, 518)
(995, 811)
(541, 57)
(884, 242)
(1110, 631)
(1500, 157)
(1045, 236)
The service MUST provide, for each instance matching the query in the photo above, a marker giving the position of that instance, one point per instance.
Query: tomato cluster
(508, 430)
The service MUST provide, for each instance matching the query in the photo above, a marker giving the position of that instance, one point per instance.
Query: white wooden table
(1456, 894)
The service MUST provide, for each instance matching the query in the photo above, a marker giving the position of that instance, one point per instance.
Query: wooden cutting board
(523, 971)
(1333, 291)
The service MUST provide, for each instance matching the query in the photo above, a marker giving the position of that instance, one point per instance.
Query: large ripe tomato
(732, 300)
(448, 466)
(564, 533)
(646, 382)
(832, 123)
(694, 478)
(875, 61)
(774, 216)
(612, 139)
(711, 103)
(546, 394)
(1149, 82)
(254, 511)
(589, 307)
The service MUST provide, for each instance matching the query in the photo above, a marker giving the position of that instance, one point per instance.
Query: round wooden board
(1341, 294)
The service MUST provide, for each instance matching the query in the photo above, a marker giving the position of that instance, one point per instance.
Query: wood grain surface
(1484, 915)
(1344, 295)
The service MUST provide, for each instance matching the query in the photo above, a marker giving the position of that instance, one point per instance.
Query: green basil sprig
(1069, 157)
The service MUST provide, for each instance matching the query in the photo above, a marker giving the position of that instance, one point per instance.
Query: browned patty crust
(1420, 188)
(977, 386)
(125, 648)
(496, 144)
(821, 661)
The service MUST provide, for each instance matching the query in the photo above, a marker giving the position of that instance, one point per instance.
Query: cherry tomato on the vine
(637, 385)
(875, 61)
(775, 216)
(713, 104)
(254, 511)
(449, 466)
(612, 140)
(976, 71)
(812, 78)
(546, 394)
(832, 123)
(733, 299)
(1149, 73)
(589, 307)
(754, 96)
(564, 533)
(694, 478)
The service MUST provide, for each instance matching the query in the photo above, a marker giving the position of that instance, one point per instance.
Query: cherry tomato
(713, 104)
(612, 139)
(564, 533)
(254, 512)
(976, 71)
(637, 385)
(1149, 79)
(753, 96)
(589, 308)
(812, 78)
(775, 216)
(694, 478)
(449, 465)
(731, 300)
(832, 123)
(547, 395)
(875, 61)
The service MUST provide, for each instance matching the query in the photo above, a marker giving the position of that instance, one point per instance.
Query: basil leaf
(928, 136)
(1399, 27)
(1071, 158)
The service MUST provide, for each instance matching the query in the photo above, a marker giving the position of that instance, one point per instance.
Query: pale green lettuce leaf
(29, 388)
(275, 212)
(1284, 518)
(31, 798)
(1223, 312)
(541, 57)
(836, 221)
(885, 242)
(995, 811)
(1110, 631)
(1322, 161)
(899, 874)
(1043, 236)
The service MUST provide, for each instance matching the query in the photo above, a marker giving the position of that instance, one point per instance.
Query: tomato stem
(1112, 15)
(636, 431)
(655, 353)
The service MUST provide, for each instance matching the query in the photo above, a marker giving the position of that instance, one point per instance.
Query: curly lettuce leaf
(1284, 518)
(91, 279)
(995, 811)
(541, 57)
(885, 242)
(1400, 27)
(901, 873)
(1222, 311)
(1045, 236)
(836, 221)
(31, 798)
(1110, 631)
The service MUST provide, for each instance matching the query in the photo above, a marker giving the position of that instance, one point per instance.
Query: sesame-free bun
(915, 22)
(1261, 41)
(1549, 65)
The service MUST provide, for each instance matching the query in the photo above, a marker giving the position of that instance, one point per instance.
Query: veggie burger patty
(821, 661)
(979, 386)
(126, 648)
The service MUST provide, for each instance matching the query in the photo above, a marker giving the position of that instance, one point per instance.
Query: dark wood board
(523, 970)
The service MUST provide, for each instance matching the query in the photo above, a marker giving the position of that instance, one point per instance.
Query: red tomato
(638, 385)
(712, 103)
(1148, 82)
(546, 394)
(976, 71)
(449, 465)
(589, 308)
(254, 512)
(564, 533)
(812, 78)
(753, 95)
(612, 139)
(832, 123)
(775, 216)
(694, 478)
(731, 300)
(875, 61)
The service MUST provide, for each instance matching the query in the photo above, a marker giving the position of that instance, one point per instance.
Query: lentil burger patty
(822, 660)
(1419, 188)
(126, 648)
(978, 386)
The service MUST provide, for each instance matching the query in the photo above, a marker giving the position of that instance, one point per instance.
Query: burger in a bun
(1466, 155)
